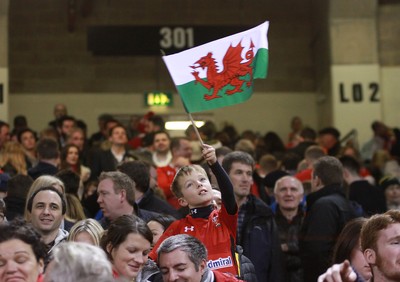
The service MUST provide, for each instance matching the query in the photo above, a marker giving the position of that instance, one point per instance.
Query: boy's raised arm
(224, 183)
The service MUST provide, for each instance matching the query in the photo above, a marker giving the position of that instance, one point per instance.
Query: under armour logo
(194, 211)
(191, 228)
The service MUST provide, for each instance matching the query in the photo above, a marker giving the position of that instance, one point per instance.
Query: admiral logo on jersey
(220, 263)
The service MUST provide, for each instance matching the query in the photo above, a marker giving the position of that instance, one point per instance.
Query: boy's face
(196, 190)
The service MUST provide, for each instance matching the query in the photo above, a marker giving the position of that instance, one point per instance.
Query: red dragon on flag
(235, 68)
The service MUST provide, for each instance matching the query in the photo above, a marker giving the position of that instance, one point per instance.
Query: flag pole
(189, 114)
(195, 129)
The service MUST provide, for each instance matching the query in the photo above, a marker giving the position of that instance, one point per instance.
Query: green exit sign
(158, 99)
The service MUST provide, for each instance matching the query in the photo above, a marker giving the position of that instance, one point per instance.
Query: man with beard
(162, 154)
(380, 242)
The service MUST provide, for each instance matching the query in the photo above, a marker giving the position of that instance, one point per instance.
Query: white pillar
(4, 104)
(355, 72)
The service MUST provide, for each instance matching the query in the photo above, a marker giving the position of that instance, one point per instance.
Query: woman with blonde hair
(86, 231)
(12, 159)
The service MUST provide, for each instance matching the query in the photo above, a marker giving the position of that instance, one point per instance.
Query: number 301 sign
(177, 37)
(148, 40)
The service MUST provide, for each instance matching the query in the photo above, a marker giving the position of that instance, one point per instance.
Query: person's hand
(209, 154)
(342, 272)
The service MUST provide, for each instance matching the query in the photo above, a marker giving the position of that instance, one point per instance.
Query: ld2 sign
(359, 92)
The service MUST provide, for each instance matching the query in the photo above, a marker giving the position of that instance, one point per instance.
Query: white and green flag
(220, 73)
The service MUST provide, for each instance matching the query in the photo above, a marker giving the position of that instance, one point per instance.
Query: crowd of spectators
(130, 203)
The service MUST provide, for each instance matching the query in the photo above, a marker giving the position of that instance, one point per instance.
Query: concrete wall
(391, 95)
(389, 58)
(4, 105)
(48, 64)
(389, 34)
(46, 58)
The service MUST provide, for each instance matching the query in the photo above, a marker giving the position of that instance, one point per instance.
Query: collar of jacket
(203, 212)
(146, 197)
(255, 205)
(323, 192)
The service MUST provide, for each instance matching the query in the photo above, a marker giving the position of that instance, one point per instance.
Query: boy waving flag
(220, 73)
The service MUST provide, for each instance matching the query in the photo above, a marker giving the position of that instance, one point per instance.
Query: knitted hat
(386, 181)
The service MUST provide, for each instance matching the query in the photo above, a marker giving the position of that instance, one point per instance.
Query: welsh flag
(220, 73)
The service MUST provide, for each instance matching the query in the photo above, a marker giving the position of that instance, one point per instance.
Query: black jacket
(15, 207)
(143, 214)
(289, 232)
(42, 168)
(152, 203)
(247, 271)
(370, 197)
(328, 211)
(260, 240)
(104, 161)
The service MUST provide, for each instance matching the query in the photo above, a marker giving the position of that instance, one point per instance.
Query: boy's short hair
(185, 170)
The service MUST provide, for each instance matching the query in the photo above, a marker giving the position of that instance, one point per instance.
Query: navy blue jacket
(259, 238)
(42, 168)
